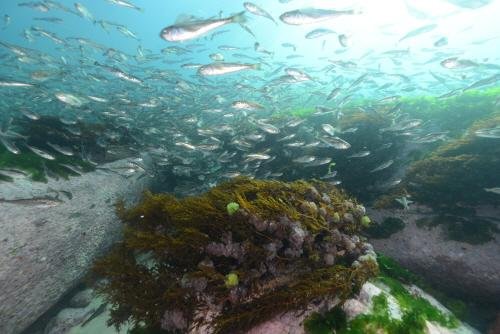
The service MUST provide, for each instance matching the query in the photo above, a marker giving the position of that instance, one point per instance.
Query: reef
(236, 256)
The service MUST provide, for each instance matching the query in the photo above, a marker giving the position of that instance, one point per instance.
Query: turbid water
(395, 103)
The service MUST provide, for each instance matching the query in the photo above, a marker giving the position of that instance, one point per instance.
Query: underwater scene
(223, 166)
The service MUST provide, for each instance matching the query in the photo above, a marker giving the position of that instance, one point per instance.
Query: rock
(456, 267)
(39, 263)
(363, 305)
(82, 298)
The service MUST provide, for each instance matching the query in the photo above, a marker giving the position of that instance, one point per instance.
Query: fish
(84, 12)
(257, 156)
(329, 129)
(483, 82)
(336, 143)
(246, 105)
(297, 74)
(289, 45)
(470, 4)
(10, 146)
(41, 153)
(269, 128)
(404, 201)
(40, 6)
(456, 63)
(441, 42)
(125, 4)
(36, 202)
(344, 40)
(60, 149)
(120, 74)
(360, 154)
(312, 15)
(70, 99)
(256, 10)
(15, 84)
(49, 19)
(495, 190)
(6, 20)
(125, 31)
(304, 159)
(418, 31)
(225, 68)
(194, 29)
(382, 166)
(320, 32)
(333, 94)
(493, 133)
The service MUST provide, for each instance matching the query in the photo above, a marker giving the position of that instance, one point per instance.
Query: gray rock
(457, 267)
(46, 251)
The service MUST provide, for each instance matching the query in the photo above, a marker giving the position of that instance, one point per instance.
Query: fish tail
(257, 67)
(239, 18)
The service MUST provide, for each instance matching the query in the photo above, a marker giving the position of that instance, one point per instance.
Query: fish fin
(239, 18)
(185, 18)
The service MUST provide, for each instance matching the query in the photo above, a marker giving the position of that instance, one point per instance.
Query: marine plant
(415, 309)
(187, 262)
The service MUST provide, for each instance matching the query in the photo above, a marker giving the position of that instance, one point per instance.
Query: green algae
(415, 310)
(232, 208)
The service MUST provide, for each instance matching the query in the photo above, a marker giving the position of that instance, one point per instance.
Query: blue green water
(397, 102)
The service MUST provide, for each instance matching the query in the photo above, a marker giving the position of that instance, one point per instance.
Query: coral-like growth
(188, 262)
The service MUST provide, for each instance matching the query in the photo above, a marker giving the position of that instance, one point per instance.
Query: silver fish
(360, 154)
(312, 15)
(328, 129)
(344, 40)
(63, 150)
(418, 31)
(316, 33)
(304, 159)
(38, 202)
(84, 12)
(194, 29)
(246, 105)
(456, 63)
(15, 84)
(495, 190)
(41, 153)
(70, 99)
(382, 166)
(256, 10)
(225, 68)
(125, 4)
(10, 146)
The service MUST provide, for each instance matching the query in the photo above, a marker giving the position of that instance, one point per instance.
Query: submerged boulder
(52, 232)
(458, 267)
(190, 265)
